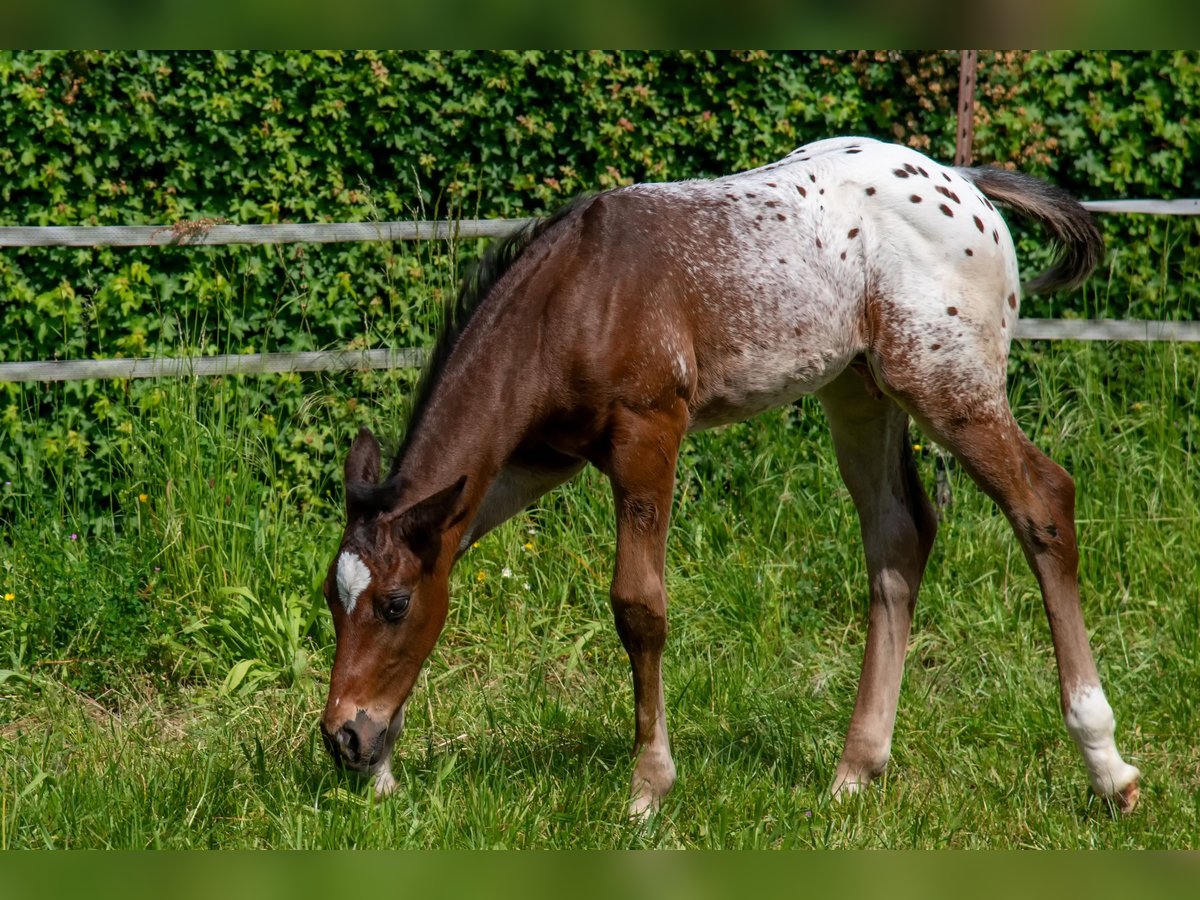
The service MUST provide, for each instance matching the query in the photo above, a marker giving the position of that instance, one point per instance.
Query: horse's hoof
(643, 807)
(1126, 799)
(847, 786)
(385, 783)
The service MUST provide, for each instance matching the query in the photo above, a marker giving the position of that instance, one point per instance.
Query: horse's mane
(474, 289)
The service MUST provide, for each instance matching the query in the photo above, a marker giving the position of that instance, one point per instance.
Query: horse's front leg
(641, 466)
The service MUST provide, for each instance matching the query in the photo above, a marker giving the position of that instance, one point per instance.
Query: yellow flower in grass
(10, 597)
(142, 498)
(481, 577)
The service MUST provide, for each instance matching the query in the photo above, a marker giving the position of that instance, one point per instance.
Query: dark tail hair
(1080, 243)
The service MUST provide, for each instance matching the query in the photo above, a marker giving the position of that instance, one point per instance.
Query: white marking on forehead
(353, 578)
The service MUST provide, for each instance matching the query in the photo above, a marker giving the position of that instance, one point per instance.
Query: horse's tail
(1080, 243)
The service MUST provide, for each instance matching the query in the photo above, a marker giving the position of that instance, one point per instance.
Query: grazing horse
(859, 271)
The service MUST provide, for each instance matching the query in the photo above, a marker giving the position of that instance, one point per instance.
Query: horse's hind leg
(641, 465)
(870, 434)
(970, 416)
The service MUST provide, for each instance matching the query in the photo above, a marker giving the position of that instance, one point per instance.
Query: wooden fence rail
(206, 233)
(210, 233)
(412, 357)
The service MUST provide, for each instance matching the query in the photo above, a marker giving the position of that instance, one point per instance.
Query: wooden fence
(209, 232)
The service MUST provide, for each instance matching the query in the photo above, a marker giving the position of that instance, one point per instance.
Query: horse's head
(387, 589)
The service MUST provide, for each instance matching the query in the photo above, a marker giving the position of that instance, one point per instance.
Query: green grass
(163, 672)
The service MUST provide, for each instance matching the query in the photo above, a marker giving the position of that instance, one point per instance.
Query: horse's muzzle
(358, 744)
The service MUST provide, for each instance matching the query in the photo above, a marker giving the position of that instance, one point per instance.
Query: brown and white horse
(863, 272)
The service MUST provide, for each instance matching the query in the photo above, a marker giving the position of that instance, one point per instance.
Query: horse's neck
(476, 417)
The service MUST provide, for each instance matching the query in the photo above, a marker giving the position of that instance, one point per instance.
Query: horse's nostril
(347, 739)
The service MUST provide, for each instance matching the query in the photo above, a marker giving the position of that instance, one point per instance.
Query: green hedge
(145, 138)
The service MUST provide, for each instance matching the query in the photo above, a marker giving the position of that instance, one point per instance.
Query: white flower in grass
(506, 572)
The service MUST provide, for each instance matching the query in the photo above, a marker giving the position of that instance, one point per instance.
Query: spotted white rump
(353, 577)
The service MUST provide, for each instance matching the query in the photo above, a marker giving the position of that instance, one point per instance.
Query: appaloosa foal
(865, 273)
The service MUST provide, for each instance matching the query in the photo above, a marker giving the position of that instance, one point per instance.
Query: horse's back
(773, 280)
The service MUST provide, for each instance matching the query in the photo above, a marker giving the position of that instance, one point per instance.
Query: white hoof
(385, 783)
(847, 786)
(1125, 789)
(643, 807)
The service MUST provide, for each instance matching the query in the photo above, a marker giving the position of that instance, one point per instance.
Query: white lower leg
(1090, 721)
(385, 781)
(653, 777)
(654, 771)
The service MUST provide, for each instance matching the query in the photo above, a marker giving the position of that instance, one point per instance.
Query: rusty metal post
(968, 62)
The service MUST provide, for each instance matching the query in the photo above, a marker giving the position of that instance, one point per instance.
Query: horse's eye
(396, 606)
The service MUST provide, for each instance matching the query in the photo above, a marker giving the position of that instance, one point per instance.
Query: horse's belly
(745, 385)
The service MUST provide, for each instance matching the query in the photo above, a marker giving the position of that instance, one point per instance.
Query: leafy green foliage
(160, 138)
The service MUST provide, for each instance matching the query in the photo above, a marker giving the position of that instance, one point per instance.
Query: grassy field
(164, 662)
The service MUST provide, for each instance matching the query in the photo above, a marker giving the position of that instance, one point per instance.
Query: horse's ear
(434, 514)
(362, 462)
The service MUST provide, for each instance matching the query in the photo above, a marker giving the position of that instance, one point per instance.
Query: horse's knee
(641, 615)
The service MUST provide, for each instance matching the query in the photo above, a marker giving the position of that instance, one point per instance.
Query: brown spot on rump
(812, 177)
(803, 192)
(771, 204)
(900, 173)
(780, 216)
(870, 192)
(969, 252)
(821, 191)
(843, 254)
(782, 261)
(853, 233)
(988, 203)
(952, 310)
(1003, 322)
(915, 198)
(854, 150)
(751, 196)
(819, 244)
(924, 174)
(732, 197)
(979, 224)
(946, 175)
(1012, 301)
(995, 236)
(946, 192)
(910, 168)
(935, 347)
(946, 211)
(770, 184)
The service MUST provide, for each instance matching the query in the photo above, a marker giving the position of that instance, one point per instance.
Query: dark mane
(474, 289)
